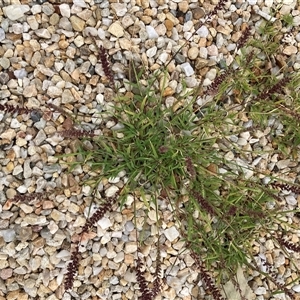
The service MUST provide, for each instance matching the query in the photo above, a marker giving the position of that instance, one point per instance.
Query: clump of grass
(167, 149)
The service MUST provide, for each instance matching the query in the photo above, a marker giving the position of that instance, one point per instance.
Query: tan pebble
(169, 25)
(171, 17)
(146, 19)
(85, 14)
(77, 23)
(168, 92)
(193, 53)
(128, 259)
(289, 50)
(76, 75)
(35, 59)
(145, 4)
(26, 208)
(183, 6)
(116, 29)
(65, 76)
(38, 242)
(63, 44)
(11, 154)
(54, 19)
(8, 204)
(9, 167)
(13, 295)
(30, 91)
(28, 54)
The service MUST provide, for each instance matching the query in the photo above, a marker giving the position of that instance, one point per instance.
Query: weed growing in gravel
(174, 151)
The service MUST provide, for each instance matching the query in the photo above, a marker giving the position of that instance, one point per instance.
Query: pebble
(43, 33)
(171, 233)
(8, 235)
(15, 11)
(2, 34)
(152, 34)
(77, 23)
(120, 9)
(116, 29)
(203, 31)
(187, 68)
(193, 53)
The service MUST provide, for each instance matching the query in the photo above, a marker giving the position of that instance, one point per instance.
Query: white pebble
(110, 192)
(187, 68)
(260, 290)
(296, 288)
(171, 233)
(291, 200)
(104, 223)
(152, 34)
(203, 31)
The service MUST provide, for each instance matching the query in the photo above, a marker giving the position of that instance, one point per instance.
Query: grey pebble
(8, 235)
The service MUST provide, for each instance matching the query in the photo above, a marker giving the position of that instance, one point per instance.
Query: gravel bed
(47, 55)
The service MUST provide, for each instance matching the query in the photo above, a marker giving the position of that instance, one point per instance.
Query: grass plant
(170, 149)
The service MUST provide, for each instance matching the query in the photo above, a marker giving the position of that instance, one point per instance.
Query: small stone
(291, 200)
(26, 208)
(152, 34)
(35, 59)
(6, 273)
(130, 247)
(198, 13)
(296, 288)
(116, 29)
(8, 235)
(104, 223)
(4, 62)
(67, 96)
(151, 52)
(183, 6)
(193, 53)
(289, 50)
(33, 219)
(171, 233)
(169, 25)
(284, 163)
(80, 3)
(30, 91)
(40, 137)
(15, 11)
(203, 31)
(120, 9)
(43, 33)
(110, 192)
(77, 23)
(187, 68)
(212, 50)
(4, 78)
(65, 10)
(2, 34)
(20, 74)
(260, 291)
(188, 26)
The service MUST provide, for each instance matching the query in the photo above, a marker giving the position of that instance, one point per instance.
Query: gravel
(47, 54)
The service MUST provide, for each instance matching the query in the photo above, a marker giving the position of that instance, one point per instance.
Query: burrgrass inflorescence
(206, 277)
(76, 133)
(73, 265)
(8, 108)
(147, 292)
